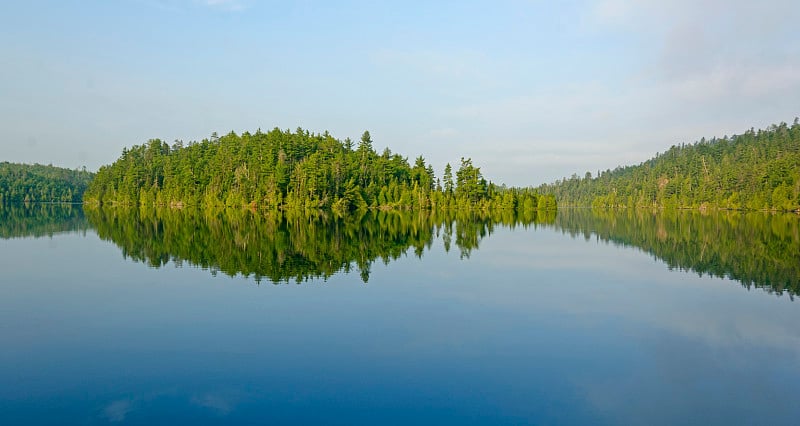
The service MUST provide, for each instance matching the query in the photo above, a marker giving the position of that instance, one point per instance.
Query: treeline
(296, 170)
(292, 246)
(760, 250)
(758, 170)
(39, 183)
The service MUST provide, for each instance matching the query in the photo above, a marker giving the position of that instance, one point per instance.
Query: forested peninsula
(24, 183)
(757, 170)
(282, 169)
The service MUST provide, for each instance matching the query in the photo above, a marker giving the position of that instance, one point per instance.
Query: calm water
(186, 317)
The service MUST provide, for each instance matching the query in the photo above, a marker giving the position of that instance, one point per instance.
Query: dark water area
(186, 316)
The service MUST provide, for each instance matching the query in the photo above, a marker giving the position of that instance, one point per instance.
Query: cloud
(691, 70)
(711, 50)
(689, 37)
(750, 82)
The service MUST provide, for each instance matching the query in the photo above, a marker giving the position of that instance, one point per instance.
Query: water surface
(135, 317)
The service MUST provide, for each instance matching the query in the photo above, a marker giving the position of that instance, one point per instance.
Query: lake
(238, 317)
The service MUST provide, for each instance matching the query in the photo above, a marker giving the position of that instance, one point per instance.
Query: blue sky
(532, 90)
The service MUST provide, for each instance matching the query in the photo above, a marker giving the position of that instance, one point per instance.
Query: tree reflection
(757, 249)
(283, 247)
(18, 220)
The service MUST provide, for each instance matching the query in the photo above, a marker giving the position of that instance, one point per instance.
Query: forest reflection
(34, 220)
(282, 247)
(760, 250)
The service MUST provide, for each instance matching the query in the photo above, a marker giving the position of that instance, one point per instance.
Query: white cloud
(689, 36)
(749, 82)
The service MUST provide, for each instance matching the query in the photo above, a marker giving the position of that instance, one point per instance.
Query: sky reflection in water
(534, 326)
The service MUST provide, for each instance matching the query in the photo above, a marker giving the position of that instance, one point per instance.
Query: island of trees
(757, 170)
(281, 169)
(24, 183)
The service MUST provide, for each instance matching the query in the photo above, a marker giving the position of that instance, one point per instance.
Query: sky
(532, 91)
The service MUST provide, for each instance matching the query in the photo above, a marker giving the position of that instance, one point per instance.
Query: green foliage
(37, 183)
(291, 246)
(470, 184)
(757, 170)
(757, 249)
(284, 170)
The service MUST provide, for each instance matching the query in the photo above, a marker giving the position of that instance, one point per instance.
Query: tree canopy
(757, 170)
(282, 169)
(39, 183)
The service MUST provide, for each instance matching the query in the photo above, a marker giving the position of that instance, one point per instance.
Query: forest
(757, 170)
(281, 169)
(37, 183)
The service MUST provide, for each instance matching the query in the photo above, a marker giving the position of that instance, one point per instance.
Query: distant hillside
(38, 183)
(758, 170)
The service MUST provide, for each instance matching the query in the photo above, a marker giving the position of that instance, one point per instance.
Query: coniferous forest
(37, 183)
(757, 170)
(296, 170)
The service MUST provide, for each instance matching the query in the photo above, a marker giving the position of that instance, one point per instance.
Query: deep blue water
(535, 327)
